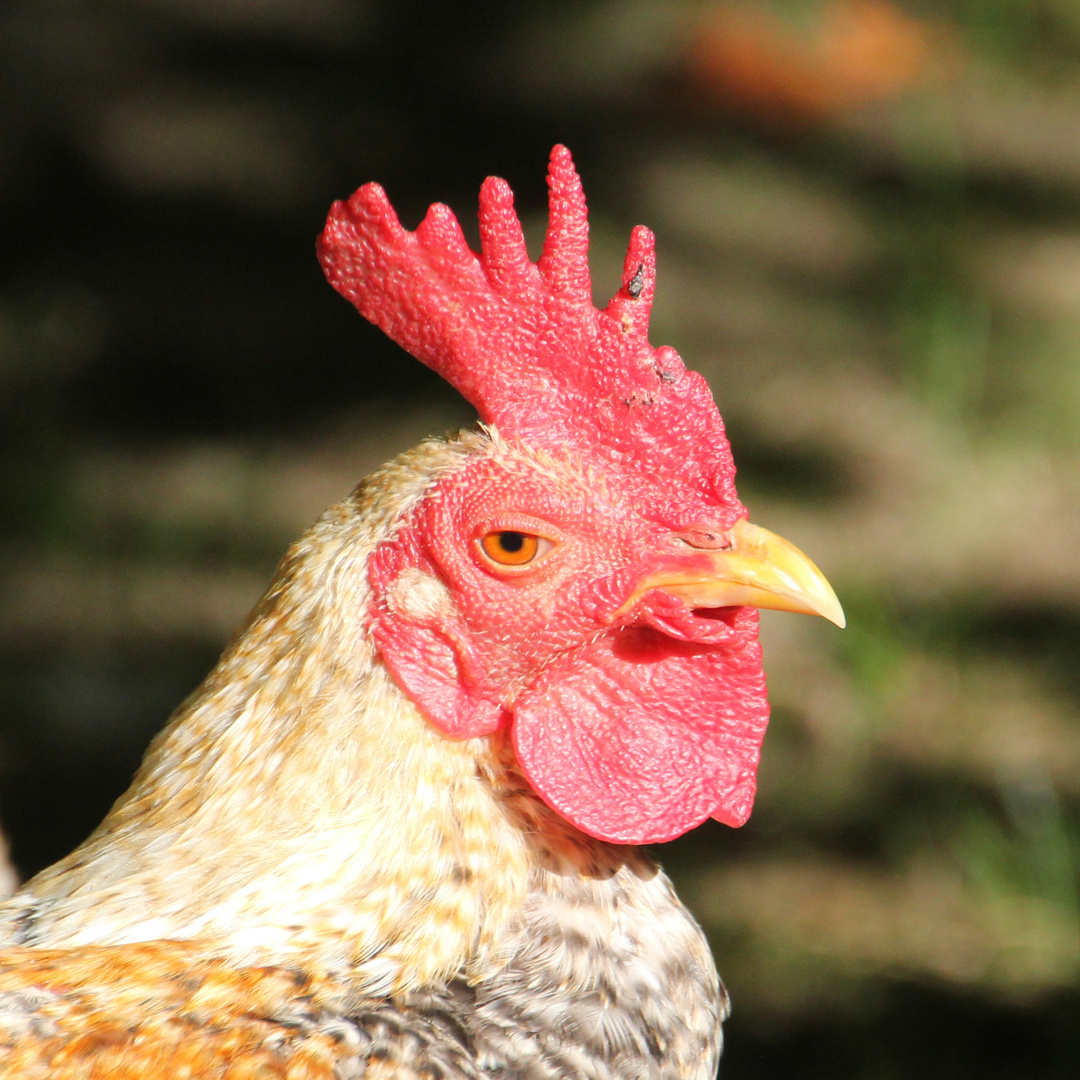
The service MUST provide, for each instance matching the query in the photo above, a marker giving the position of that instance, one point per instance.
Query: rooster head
(588, 577)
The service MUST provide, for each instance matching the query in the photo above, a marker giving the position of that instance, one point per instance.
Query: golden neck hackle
(299, 809)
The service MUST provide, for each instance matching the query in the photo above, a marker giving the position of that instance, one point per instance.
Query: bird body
(421, 884)
(394, 832)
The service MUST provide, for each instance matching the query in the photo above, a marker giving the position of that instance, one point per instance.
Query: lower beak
(759, 569)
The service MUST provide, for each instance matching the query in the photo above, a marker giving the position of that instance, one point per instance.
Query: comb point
(502, 242)
(564, 264)
(631, 306)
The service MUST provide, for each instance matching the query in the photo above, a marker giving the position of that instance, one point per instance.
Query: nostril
(705, 539)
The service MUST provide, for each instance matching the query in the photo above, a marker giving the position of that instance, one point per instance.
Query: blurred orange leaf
(857, 52)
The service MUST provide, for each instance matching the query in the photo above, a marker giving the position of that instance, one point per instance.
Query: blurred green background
(869, 240)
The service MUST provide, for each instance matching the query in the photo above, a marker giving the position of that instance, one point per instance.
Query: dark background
(869, 240)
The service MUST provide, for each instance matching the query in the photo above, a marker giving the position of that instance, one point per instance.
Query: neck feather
(298, 809)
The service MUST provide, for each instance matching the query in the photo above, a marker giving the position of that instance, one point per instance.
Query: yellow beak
(759, 569)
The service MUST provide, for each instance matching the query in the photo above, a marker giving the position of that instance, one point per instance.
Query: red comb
(522, 341)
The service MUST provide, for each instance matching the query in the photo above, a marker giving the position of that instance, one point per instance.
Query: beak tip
(832, 611)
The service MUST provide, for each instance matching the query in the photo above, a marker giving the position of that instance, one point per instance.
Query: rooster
(395, 832)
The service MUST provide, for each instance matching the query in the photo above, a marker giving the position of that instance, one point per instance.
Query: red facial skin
(634, 726)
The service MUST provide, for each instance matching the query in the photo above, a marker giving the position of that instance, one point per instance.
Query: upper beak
(759, 569)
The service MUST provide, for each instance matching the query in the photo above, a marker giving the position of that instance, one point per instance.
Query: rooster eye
(508, 547)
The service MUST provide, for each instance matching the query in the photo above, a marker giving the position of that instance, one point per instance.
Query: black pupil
(511, 542)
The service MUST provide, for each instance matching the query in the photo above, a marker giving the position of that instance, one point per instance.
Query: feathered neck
(298, 808)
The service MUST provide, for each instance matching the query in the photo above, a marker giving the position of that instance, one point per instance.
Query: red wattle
(637, 738)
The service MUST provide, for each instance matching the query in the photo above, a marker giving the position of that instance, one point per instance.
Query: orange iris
(508, 547)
